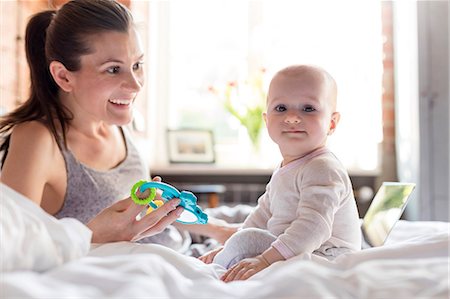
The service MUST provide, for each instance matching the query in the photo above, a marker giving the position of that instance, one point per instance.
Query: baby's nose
(292, 119)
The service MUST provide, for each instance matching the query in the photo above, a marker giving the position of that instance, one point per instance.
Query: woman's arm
(33, 162)
(217, 229)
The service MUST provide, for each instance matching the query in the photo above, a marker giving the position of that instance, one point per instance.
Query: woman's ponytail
(43, 87)
(42, 104)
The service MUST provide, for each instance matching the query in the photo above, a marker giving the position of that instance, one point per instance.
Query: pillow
(31, 239)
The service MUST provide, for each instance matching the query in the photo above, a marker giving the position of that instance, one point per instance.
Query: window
(196, 44)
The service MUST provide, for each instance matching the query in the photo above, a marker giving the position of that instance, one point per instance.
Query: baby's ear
(265, 117)
(335, 117)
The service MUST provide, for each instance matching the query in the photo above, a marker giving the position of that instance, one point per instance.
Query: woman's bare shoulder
(33, 160)
(31, 125)
(32, 132)
(35, 139)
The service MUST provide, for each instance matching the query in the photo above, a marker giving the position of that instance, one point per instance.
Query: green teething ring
(142, 201)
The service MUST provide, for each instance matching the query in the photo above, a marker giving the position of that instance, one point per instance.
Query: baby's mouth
(294, 131)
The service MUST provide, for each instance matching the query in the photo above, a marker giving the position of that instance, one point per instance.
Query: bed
(42, 257)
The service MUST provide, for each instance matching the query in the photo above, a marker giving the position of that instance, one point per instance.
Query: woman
(66, 148)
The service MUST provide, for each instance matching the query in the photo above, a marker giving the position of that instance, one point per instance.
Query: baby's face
(300, 113)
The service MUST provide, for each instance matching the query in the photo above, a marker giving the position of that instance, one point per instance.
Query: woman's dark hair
(62, 36)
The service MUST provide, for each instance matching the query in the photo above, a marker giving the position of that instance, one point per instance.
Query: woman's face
(110, 77)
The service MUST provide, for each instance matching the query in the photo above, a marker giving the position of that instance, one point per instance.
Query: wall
(388, 149)
(433, 49)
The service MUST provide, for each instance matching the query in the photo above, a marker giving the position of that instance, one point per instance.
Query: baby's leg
(248, 242)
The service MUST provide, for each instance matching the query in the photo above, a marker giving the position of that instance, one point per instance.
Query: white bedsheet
(30, 239)
(413, 264)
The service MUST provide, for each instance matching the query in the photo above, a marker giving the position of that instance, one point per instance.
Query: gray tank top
(89, 191)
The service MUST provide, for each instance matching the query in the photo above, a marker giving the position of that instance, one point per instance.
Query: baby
(308, 206)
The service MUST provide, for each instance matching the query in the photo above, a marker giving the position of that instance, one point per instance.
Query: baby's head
(301, 110)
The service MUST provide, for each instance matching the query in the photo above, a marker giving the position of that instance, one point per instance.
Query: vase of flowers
(245, 101)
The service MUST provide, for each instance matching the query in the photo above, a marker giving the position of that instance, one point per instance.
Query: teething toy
(192, 212)
(142, 201)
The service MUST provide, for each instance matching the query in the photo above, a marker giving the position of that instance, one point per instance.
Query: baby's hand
(245, 269)
(208, 257)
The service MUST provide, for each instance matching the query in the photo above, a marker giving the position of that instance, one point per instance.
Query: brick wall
(8, 48)
(388, 159)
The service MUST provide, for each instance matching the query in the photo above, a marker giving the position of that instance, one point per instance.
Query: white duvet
(42, 257)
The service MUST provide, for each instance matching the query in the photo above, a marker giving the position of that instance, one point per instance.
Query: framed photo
(191, 146)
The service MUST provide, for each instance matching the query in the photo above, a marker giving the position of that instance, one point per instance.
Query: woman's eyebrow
(115, 60)
(111, 60)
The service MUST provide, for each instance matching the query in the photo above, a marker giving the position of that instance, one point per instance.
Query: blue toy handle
(187, 200)
(169, 191)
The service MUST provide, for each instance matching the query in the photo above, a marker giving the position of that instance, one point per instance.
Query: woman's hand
(118, 222)
(208, 257)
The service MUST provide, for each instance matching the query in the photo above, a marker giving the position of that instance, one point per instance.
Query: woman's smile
(121, 103)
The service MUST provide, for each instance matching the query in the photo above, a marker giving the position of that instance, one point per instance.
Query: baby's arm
(250, 266)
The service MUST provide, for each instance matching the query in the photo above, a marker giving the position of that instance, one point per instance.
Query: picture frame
(190, 146)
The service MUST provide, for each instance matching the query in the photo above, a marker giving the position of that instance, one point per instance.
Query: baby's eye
(280, 108)
(309, 109)
(113, 70)
(137, 66)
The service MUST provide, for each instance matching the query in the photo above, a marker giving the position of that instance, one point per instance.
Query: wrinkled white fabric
(413, 264)
(30, 239)
(126, 270)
